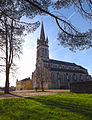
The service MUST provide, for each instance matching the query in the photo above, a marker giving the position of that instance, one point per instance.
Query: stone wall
(81, 87)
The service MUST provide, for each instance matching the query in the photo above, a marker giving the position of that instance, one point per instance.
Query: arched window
(64, 77)
(42, 51)
(74, 77)
(81, 77)
(45, 52)
(70, 78)
(67, 77)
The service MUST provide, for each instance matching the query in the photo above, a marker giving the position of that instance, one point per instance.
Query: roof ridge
(62, 61)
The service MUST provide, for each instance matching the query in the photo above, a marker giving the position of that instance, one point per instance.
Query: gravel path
(29, 93)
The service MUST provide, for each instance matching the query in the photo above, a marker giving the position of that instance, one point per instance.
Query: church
(54, 74)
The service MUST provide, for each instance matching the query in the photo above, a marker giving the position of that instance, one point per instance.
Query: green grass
(1, 91)
(65, 106)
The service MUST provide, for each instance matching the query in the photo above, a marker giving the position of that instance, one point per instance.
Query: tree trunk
(42, 86)
(7, 70)
(7, 81)
(7, 63)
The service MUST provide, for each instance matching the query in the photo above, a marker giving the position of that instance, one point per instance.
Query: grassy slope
(66, 106)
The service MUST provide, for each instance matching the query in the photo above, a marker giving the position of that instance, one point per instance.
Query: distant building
(24, 84)
(12, 88)
(1, 88)
(54, 74)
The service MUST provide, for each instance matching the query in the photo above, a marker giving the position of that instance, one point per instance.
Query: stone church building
(54, 74)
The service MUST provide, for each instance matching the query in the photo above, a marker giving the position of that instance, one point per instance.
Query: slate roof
(64, 63)
(24, 80)
(61, 62)
(66, 70)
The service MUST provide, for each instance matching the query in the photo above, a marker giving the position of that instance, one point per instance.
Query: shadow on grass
(82, 109)
(15, 95)
(10, 95)
(44, 108)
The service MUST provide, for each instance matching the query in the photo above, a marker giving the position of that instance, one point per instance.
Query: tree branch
(52, 15)
(83, 9)
(35, 4)
(2, 65)
(2, 58)
(90, 1)
(67, 32)
(56, 18)
(15, 20)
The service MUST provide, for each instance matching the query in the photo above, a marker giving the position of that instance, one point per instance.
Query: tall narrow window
(42, 51)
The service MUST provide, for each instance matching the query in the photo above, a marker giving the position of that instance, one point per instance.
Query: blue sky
(26, 65)
(57, 51)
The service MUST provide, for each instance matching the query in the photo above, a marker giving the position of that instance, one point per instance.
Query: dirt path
(29, 93)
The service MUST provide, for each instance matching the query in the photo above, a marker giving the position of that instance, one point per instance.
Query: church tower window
(42, 46)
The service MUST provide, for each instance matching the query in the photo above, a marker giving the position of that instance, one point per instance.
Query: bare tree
(11, 36)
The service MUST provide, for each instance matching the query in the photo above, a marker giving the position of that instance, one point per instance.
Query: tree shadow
(15, 95)
(66, 105)
(53, 103)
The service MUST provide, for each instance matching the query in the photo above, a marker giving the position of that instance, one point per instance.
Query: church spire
(42, 46)
(42, 34)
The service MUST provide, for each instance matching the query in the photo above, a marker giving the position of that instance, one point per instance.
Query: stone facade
(24, 84)
(54, 74)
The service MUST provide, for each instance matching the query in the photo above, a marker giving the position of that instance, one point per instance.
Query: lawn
(65, 106)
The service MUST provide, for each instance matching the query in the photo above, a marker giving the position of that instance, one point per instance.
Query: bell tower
(42, 46)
